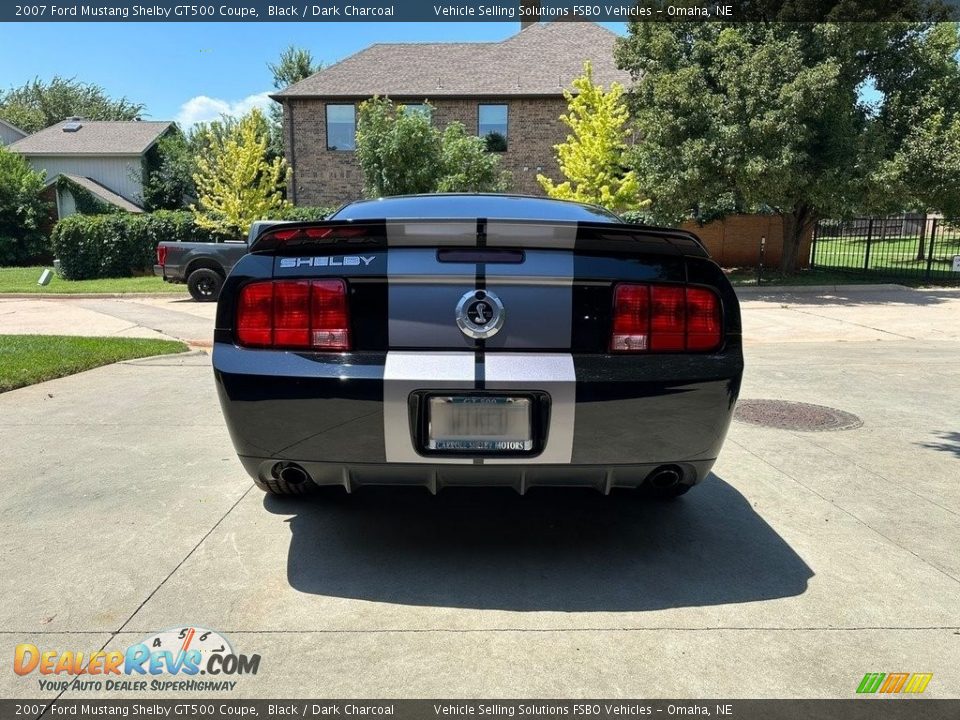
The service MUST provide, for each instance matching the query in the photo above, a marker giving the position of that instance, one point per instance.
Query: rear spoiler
(295, 238)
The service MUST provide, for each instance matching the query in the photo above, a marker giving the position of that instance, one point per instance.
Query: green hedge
(120, 244)
(303, 213)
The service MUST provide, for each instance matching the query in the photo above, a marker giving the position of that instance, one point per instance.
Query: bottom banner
(544, 709)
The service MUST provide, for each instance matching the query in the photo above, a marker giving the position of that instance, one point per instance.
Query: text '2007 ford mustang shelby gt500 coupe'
(477, 340)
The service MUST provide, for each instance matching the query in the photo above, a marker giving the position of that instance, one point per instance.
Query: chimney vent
(529, 13)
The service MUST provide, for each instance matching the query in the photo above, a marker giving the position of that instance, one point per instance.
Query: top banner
(483, 11)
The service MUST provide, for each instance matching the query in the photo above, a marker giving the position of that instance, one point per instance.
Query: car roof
(473, 205)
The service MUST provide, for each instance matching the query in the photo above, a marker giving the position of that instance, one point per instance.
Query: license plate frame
(434, 440)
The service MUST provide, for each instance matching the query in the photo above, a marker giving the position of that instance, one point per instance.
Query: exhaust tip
(291, 473)
(665, 477)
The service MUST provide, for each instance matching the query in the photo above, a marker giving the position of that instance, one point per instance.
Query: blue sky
(195, 71)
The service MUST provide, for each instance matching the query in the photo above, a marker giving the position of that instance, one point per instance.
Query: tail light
(665, 318)
(294, 314)
(161, 255)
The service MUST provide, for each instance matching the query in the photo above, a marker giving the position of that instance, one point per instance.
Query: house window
(492, 126)
(341, 127)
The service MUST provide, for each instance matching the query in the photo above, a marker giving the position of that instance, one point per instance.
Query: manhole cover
(785, 415)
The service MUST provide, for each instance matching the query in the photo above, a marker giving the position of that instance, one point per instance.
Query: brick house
(513, 88)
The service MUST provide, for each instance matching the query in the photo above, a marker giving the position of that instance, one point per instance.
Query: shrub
(117, 245)
(637, 217)
(22, 211)
(302, 213)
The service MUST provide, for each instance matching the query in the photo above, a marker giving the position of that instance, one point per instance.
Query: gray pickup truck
(203, 266)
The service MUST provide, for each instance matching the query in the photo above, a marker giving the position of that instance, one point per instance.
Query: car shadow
(950, 443)
(553, 549)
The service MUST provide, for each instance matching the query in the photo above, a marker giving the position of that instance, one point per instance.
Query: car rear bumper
(435, 477)
(346, 418)
(162, 272)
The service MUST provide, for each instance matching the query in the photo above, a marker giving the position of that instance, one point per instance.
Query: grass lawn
(29, 359)
(892, 255)
(24, 280)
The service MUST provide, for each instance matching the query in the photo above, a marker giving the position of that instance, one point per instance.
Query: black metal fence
(916, 247)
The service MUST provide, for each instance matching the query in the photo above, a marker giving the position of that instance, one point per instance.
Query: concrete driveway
(805, 561)
(161, 317)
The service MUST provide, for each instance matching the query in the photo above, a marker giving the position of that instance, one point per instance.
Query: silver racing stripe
(499, 233)
(503, 233)
(423, 314)
(417, 233)
(429, 351)
(406, 372)
(552, 373)
(423, 294)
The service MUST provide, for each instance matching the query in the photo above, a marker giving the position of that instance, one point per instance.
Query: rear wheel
(204, 285)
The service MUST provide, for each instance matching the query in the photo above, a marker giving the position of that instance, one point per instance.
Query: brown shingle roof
(12, 127)
(103, 192)
(541, 60)
(95, 137)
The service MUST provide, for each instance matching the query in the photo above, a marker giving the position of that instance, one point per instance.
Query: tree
(736, 117)
(236, 183)
(466, 165)
(592, 157)
(399, 153)
(921, 122)
(37, 104)
(294, 65)
(22, 210)
(495, 141)
(402, 153)
(170, 166)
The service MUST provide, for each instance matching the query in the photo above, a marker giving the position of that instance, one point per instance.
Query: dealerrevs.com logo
(179, 659)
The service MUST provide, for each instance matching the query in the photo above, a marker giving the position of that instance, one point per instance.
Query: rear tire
(204, 285)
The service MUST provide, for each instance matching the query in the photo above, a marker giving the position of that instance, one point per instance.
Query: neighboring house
(513, 88)
(10, 133)
(105, 159)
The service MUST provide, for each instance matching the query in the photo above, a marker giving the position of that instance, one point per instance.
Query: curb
(191, 352)
(818, 289)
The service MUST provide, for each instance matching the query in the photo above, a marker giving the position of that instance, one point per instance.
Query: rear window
(473, 206)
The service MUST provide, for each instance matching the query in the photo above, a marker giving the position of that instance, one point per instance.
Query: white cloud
(205, 109)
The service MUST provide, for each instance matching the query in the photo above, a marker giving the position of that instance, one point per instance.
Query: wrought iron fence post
(866, 257)
(933, 242)
(921, 252)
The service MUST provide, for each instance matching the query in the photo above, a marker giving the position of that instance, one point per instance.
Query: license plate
(479, 423)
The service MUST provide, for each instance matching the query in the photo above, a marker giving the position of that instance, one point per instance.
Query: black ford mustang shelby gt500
(477, 340)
